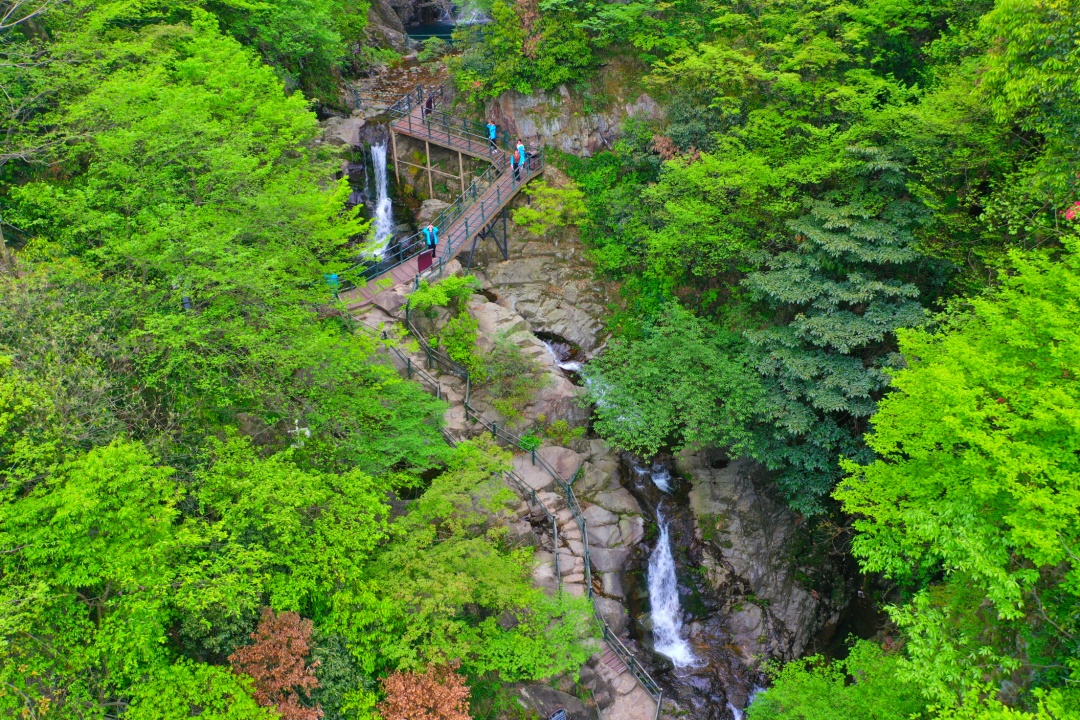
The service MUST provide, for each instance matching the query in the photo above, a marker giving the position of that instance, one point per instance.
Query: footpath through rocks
(614, 521)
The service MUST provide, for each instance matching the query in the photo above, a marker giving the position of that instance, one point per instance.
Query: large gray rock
(749, 632)
(613, 584)
(636, 704)
(563, 461)
(618, 501)
(752, 534)
(391, 302)
(553, 294)
(546, 700)
(608, 559)
(492, 319)
(385, 27)
(597, 516)
(343, 131)
(429, 210)
(535, 476)
(604, 535)
(613, 612)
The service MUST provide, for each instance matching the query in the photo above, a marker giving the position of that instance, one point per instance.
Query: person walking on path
(493, 132)
(429, 105)
(522, 154)
(515, 163)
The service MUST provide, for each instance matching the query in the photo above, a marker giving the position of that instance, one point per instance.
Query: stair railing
(436, 357)
(500, 433)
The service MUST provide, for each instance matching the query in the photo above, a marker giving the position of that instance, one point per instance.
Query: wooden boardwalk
(434, 131)
(460, 233)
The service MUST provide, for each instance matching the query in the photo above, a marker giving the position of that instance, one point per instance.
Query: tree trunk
(7, 259)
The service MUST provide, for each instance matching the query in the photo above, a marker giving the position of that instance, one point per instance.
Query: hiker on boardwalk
(515, 163)
(429, 105)
(523, 154)
(493, 132)
(431, 239)
(431, 236)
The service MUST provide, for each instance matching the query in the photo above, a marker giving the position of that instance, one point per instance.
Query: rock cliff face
(559, 118)
(548, 280)
(750, 552)
(385, 28)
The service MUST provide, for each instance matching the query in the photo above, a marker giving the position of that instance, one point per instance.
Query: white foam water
(664, 599)
(661, 477)
(568, 365)
(382, 230)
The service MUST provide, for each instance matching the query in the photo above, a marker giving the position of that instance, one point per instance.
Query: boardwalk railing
(414, 245)
(439, 359)
(412, 370)
(379, 96)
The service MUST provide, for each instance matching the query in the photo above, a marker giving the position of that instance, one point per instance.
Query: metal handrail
(411, 369)
(616, 645)
(531, 494)
(514, 478)
(536, 164)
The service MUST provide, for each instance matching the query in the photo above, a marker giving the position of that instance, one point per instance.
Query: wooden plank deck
(414, 125)
(456, 236)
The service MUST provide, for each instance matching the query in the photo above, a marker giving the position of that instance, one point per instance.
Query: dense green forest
(849, 251)
(184, 440)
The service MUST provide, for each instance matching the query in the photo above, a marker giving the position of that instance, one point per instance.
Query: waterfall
(664, 598)
(568, 365)
(383, 227)
(471, 13)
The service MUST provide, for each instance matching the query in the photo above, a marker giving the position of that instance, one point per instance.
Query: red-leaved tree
(437, 694)
(276, 663)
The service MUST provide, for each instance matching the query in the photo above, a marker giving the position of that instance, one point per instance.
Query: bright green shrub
(864, 686)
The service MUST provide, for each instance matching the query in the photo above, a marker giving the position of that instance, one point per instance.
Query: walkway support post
(461, 172)
(393, 146)
(427, 162)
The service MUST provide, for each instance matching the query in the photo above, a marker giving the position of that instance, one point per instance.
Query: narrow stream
(667, 616)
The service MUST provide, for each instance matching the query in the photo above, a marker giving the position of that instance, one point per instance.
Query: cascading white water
(471, 13)
(664, 598)
(569, 365)
(661, 477)
(382, 230)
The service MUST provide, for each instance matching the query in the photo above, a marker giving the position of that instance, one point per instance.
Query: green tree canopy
(679, 382)
(979, 474)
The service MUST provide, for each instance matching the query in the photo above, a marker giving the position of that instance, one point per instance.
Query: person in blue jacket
(431, 236)
(522, 154)
(493, 132)
(332, 282)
